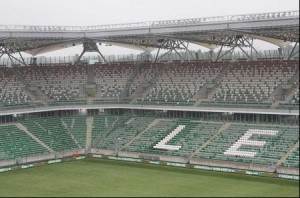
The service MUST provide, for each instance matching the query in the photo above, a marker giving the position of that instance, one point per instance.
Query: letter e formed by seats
(244, 140)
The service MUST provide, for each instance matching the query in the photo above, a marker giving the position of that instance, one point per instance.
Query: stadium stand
(60, 82)
(102, 125)
(12, 91)
(111, 79)
(195, 134)
(123, 132)
(15, 144)
(252, 83)
(52, 132)
(273, 149)
(145, 76)
(180, 82)
(139, 134)
(293, 159)
(77, 127)
(293, 103)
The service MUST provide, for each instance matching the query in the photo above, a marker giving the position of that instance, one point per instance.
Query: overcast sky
(98, 12)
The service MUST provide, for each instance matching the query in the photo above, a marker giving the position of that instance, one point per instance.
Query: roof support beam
(294, 51)
(239, 41)
(6, 50)
(174, 45)
(187, 51)
(90, 46)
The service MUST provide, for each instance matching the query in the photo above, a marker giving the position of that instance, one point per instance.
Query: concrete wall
(173, 159)
(128, 154)
(153, 157)
(256, 167)
(4, 163)
(289, 171)
(69, 153)
(104, 152)
(42, 157)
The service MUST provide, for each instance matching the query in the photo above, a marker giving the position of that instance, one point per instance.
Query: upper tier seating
(253, 82)
(59, 82)
(12, 91)
(180, 82)
(293, 103)
(112, 78)
(146, 73)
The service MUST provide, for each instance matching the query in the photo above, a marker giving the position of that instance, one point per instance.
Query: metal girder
(280, 33)
(173, 45)
(159, 41)
(294, 50)
(5, 50)
(239, 41)
(90, 46)
(23, 44)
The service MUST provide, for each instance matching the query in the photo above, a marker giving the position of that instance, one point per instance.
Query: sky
(99, 12)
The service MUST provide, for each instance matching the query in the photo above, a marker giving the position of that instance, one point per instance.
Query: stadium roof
(279, 28)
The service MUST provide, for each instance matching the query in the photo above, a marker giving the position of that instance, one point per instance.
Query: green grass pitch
(113, 178)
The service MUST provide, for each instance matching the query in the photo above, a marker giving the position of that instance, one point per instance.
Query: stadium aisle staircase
(101, 126)
(77, 127)
(51, 132)
(292, 159)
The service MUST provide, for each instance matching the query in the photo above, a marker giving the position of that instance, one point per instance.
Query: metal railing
(153, 24)
(4, 61)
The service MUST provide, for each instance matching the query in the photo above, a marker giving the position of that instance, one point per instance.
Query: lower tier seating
(193, 135)
(293, 159)
(233, 142)
(77, 127)
(272, 151)
(15, 144)
(52, 132)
